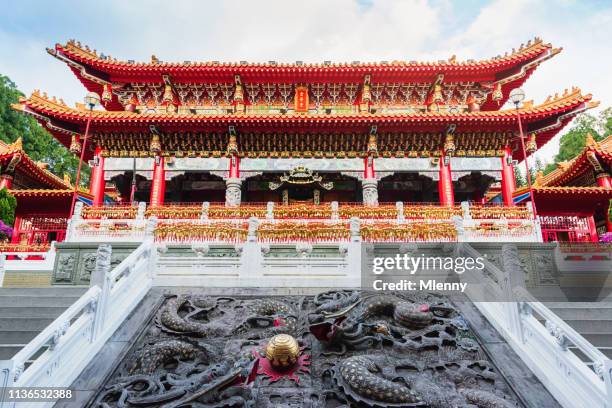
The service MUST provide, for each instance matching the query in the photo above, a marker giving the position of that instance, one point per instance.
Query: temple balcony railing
(570, 367)
(210, 222)
(61, 351)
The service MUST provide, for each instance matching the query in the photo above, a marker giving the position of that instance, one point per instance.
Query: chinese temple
(238, 212)
(43, 199)
(244, 134)
(573, 200)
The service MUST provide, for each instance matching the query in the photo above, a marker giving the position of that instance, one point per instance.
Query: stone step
(31, 312)
(17, 336)
(578, 305)
(590, 325)
(21, 324)
(607, 351)
(37, 301)
(598, 339)
(71, 291)
(580, 313)
(7, 352)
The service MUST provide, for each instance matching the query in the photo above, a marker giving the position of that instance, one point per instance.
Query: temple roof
(34, 170)
(568, 170)
(545, 120)
(509, 71)
(552, 191)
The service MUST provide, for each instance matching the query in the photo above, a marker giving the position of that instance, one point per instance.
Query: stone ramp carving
(195, 342)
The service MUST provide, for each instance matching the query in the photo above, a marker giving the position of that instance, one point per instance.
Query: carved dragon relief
(351, 348)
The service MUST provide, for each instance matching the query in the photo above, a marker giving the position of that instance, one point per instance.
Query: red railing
(39, 230)
(569, 228)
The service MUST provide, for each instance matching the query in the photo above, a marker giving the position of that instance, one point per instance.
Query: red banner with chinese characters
(301, 99)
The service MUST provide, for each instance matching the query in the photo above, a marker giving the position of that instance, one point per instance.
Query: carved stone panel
(65, 267)
(338, 348)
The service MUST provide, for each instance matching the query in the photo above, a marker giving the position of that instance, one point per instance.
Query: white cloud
(317, 30)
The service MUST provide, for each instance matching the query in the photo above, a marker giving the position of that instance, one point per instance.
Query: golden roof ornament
(67, 179)
(232, 145)
(238, 92)
(497, 93)
(301, 176)
(282, 351)
(372, 144)
(449, 142)
(155, 145)
(75, 145)
(590, 141)
(17, 144)
(168, 96)
(532, 145)
(107, 94)
(539, 178)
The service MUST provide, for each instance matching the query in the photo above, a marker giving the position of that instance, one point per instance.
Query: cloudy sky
(312, 31)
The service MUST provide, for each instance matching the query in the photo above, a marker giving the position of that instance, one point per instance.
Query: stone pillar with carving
(370, 191)
(233, 192)
(97, 183)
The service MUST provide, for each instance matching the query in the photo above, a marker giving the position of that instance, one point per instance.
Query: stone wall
(75, 261)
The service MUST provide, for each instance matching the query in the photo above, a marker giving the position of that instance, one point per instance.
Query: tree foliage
(572, 143)
(37, 142)
(7, 207)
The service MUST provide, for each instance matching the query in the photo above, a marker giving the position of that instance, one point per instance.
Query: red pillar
(368, 168)
(158, 187)
(16, 226)
(234, 167)
(97, 184)
(508, 183)
(592, 229)
(445, 184)
(6, 181)
(604, 180)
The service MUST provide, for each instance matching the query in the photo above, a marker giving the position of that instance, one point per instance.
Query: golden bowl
(282, 350)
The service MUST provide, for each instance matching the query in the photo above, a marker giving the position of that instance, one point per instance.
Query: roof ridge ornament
(590, 141)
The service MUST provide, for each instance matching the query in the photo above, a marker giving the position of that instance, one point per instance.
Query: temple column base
(233, 192)
(370, 192)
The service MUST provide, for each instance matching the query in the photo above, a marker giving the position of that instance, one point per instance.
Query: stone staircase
(25, 312)
(593, 320)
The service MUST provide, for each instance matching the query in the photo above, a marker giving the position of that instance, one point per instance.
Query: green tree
(572, 143)
(37, 142)
(7, 207)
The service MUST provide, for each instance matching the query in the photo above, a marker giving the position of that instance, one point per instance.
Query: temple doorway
(472, 186)
(195, 187)
(409, 187)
